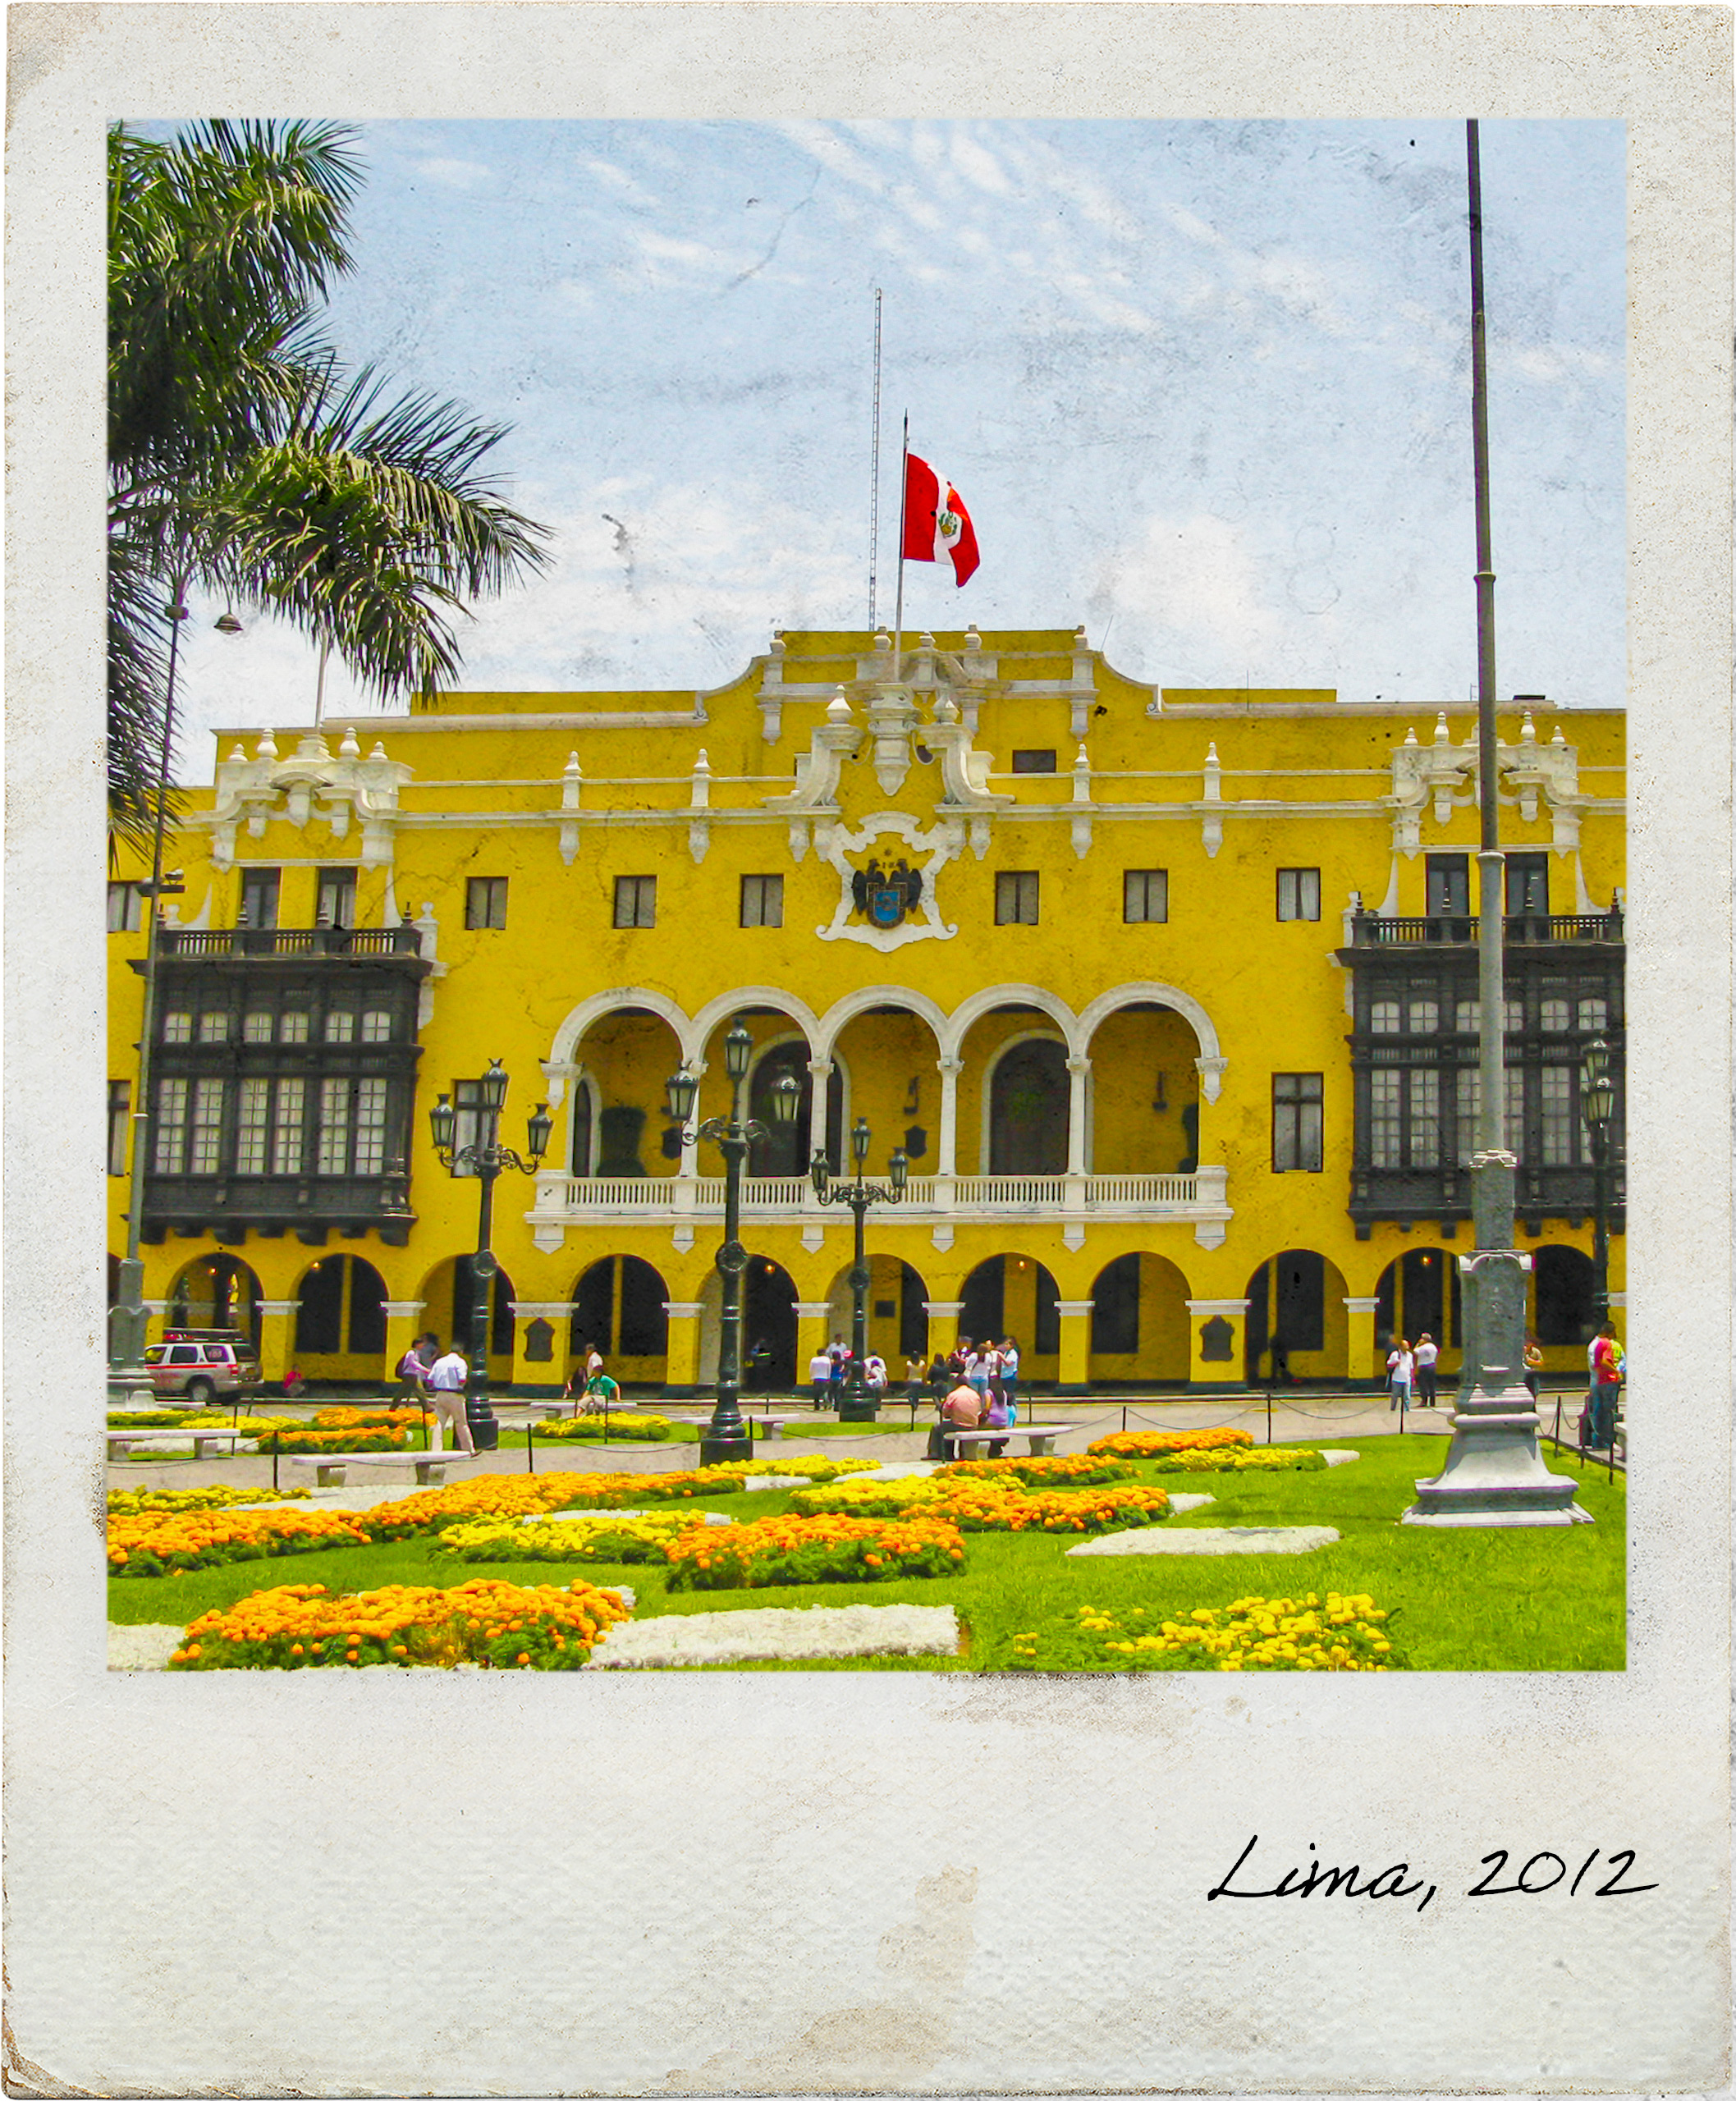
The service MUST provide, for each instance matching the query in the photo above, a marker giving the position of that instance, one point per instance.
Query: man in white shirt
(447, 1379)
(1426, 1352)
(819, 1370)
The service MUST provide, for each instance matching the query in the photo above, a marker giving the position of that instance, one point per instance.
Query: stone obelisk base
(1495, 1473)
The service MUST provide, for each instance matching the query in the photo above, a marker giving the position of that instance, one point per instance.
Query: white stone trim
(559, 1308)
(273, 1306)
(394, 1309)
(684, 1309)
(1071, 1309)
(813, 1309)
(943, 1309)
(1362, 1305)
(1233, 1307)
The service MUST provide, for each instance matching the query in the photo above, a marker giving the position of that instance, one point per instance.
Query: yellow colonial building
(1169, 997)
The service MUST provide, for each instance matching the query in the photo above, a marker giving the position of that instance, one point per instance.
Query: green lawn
(1468, 1600)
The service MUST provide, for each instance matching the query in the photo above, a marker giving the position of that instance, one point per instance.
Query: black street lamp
(1597, 1105)
(727, 1436)
(488, 1159)
(859, 1195)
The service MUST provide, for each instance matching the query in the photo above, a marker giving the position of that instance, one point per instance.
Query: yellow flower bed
(644, 1538)
(135, 1502)
(527, 1495)
(163, 1542)
(1346, 1632)
(1001, 1505)
(504, 1625)
(1069, 1469)
(1267, 1459)
(816, 1549)
(1155, 1444)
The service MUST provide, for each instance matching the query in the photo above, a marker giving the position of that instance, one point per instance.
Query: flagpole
(874, 497)
(904, 491)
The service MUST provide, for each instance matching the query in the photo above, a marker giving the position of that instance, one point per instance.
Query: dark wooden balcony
(1369, 930)
(1418, 1196)
(289, 944)
(228, 1207)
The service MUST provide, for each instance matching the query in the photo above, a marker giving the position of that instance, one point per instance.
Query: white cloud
(457, 175)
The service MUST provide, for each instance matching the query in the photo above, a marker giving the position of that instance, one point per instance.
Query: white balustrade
(656, 1194)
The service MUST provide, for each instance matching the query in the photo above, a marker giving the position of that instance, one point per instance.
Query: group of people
(437, 1380)
(1409, 1370)
(975, 1387)
(829, 1370)
(589, 1388)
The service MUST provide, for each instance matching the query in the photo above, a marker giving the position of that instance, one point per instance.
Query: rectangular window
(120, 1112)
(169, 1152)
(1016, 897)
(213, 1025)
(1560, 1120)
(1594, 1016)
(1383, 1018)
(126, 908)
(334, 1128)
(257, 1025)
(286, 1127)
(1515, 1018)
(259, 897)
(1033, 762)
(1145, 896)
(292, 1027)
(1527, 884)
(485, 901)
(1425, 1117)
(1553, 1017)
(1297, 1144)
(376, 1025)
(1425, 1017)
(467, 1124)
(204, 1151)
(370, 1127)
(1448, 885)
(1298, 893)
(1468, 1017)
(252, 1123)
(1385, 1120)
(635, 900)
(335, 906)
(177, 1026)
(340, 1025)
(762, 900)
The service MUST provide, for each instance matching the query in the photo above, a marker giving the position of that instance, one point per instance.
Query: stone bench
(1039, 1436)
(770, 1425)
(205, 1441)
(430, 1466)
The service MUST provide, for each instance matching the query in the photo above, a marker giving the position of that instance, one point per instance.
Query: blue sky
(1204, 387)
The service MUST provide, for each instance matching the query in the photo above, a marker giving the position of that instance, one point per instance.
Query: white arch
(1148, 991)
(571, 1032)
(986, 1138)
(720, 1010)
(839, 1015)
(968, 1012)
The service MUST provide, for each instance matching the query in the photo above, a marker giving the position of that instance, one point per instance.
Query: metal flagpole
(874, 497)
(904, 491)
(1494, 1473)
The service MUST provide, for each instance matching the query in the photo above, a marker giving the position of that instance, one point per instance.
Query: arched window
(1028, 1110)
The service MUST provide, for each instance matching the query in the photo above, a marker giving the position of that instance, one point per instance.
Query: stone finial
(379, 749)
(777, 642)
(973, 641)
(1078, 634)
(1528, 730)
(946, 709)
(1410, 735)
(837, 708)
(1443, 734)
(927, 642)
(267, 747)
(1557, 738)
(883, 641)
(1211, 758)
(349, 749)
(570, 771)
(238, 757)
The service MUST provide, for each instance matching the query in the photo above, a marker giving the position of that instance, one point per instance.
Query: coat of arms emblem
(883, 896)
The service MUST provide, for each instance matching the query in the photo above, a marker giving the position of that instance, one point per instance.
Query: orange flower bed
(1003, 1505)
(503, 1626)
(526, 1495)
(1155, 1444)
(828, 1549)
(360, 1437)
(160, 1542)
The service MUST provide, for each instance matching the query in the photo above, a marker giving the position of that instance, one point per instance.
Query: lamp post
(489, 1159)
(726, 1437)
(859, 1195)
(1597, 1105)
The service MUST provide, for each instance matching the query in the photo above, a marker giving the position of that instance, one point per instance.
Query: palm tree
(244, 460)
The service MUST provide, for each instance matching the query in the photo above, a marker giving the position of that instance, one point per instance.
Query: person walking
(1606, 1378)
(1401, 1368)
(1533, 1365)
(1426, 1353)
(447, 1376)
(976, 1375)
(819, 1375)
(413, 1373)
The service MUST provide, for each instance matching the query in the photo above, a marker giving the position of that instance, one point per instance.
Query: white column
(1079, 1072)
(819, 1109)
(947, 1165)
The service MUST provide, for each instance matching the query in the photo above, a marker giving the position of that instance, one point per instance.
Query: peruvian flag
(937, 526)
